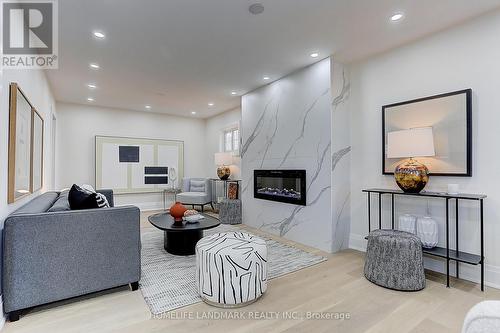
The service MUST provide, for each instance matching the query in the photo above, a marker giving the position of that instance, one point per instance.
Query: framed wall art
(20, 127)
(136, 165)
(37, 151)
(450, 118)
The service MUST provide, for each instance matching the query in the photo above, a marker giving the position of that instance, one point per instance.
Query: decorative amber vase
(177, 211)
(223, 172)
(411, 176)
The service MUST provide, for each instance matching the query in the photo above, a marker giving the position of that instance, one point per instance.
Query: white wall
(287, 125)
(35, 85)
(214, 141)
(465, 57)
(78, 125)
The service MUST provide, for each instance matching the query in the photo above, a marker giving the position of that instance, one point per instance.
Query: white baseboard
(357, 242)
(467, 272)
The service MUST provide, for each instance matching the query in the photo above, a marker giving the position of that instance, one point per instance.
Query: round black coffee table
(181, 239)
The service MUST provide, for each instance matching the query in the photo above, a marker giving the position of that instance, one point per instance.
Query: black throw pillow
(80, 198)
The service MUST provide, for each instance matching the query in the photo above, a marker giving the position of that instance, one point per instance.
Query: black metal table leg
(380, 210)
(457, 263)
(369, 214)
(447, 243)
(482, 245)
(392, 206)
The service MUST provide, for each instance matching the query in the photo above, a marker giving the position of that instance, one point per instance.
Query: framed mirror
(450, 118)
(37, 151)
(20, 127)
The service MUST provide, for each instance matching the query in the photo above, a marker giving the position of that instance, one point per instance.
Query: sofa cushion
(197, 186)
(85, 198)
(62, 203)
(40, 204)
(193, 198)
(80, 198)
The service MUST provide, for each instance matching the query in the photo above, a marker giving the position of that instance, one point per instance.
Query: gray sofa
(51, 253)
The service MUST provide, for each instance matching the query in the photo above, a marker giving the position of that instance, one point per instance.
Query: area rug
(168, 281)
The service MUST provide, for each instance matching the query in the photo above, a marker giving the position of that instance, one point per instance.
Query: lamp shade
(413, 142)
(223, 159)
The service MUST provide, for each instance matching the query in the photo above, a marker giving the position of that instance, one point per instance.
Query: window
(232, 140)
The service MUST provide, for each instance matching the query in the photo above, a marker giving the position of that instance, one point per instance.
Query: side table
(220, 187)
(169, 191)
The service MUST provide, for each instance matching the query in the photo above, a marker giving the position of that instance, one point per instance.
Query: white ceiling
(179, 55)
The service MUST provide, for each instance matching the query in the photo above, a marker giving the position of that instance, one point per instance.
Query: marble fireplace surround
(288, 125)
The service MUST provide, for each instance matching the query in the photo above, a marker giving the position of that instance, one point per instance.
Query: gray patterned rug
(168, 281)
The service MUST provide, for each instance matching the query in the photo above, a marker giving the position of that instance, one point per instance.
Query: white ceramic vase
(407, 223)
(427, 231)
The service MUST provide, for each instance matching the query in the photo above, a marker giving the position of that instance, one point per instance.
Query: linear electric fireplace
(280, 185)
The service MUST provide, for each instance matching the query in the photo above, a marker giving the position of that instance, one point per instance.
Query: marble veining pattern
(344, 93)
(302, 132)
(255, 131)
(337, 156)
(341, 148)
(287, 125)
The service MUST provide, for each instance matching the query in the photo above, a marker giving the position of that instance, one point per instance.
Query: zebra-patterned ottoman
(231, 269)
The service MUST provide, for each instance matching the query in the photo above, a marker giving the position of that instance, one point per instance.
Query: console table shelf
(442, 252)
(464, 257)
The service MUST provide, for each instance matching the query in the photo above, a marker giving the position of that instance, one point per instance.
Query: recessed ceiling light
(147, 107)
(91, 86)
(193, 112)
(397, 17)
(211, 104)
(265, 78)
(233, 93)
(314, 55)
(90, 99)
(99, 35)
(93, 65)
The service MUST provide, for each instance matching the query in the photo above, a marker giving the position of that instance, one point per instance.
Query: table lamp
(223, 161)
(411, 176)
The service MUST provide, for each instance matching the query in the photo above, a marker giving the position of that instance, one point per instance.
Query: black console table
(446, 253)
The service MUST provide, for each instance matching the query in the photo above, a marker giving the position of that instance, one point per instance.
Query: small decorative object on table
(190, 212)
(177, 212)
(427, 231)
(223, 161)
(232, 191)
(192, 216)
(411, 176)
(407, 223)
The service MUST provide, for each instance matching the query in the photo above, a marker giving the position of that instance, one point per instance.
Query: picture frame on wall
(138, 165)
(37, 151)
(20, 153)
(450, 117)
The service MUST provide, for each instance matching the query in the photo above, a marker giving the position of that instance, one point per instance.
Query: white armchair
(483, 318)
(196, 192)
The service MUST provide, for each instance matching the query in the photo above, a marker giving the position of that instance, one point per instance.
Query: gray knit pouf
(394, 260)
(230, 211)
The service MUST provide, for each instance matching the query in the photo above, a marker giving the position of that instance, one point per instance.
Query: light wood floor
(334, 286)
